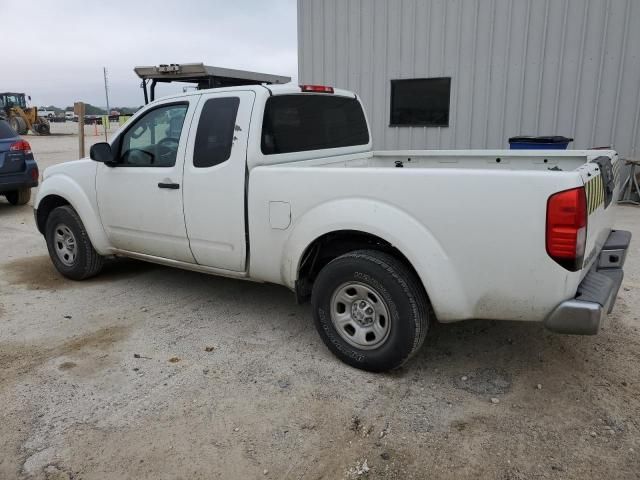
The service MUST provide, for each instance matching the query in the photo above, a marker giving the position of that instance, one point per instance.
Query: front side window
(216, 127)
(152, 141)
(298, 123)
(420, 102)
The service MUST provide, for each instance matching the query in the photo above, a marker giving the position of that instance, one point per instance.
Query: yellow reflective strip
(600, 191)
(589, 196)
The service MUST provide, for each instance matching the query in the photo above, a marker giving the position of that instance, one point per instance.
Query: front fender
(68, 188)
(396, 227)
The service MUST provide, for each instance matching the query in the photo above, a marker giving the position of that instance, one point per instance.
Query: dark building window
(420, 102)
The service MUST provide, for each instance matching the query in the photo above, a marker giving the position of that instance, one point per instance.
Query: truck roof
(287, 89)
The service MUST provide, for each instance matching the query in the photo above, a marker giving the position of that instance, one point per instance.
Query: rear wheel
(19, 197)
(370, 310)
(69, 246)
(41, 127)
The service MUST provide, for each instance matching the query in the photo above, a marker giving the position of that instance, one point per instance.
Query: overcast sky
(55, 50)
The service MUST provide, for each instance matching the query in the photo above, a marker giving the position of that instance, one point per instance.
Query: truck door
(214, 180)
(140, 199)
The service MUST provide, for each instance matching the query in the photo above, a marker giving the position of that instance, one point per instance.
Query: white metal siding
(530, 67)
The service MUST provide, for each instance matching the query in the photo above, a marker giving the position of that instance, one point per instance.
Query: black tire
(22, 126)
(13, 123)
(19, 197)
(87, 262)
(41, 127)
(402, 296)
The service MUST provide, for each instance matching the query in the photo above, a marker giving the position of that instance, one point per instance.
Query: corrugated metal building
(516, 67)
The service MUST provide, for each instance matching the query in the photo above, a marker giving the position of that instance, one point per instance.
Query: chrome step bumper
(596, 295)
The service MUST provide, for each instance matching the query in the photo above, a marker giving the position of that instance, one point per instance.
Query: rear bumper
(13, 186)
(596, 295)
(10, 182)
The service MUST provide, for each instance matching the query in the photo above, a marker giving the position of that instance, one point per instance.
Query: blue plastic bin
(539, 143)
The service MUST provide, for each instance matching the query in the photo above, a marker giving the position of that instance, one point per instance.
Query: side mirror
(101, 152)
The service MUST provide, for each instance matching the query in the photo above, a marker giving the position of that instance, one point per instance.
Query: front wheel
(370, 310)
(13, 123)
(21, 126)
(69, 246)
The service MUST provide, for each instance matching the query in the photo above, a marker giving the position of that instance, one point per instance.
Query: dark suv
(18, 169)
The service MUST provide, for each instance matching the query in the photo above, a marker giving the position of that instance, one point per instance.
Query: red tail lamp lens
(567, 228)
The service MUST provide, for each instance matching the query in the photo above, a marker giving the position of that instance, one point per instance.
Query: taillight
(20, 146)
(567, 227)
(316, 88)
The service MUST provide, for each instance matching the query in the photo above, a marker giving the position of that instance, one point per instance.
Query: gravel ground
(150, 372)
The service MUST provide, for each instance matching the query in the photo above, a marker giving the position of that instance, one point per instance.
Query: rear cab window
(215, 134)
(6, 131)
(303, 122)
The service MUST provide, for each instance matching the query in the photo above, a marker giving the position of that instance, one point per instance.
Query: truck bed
(479, 217)
(533, 160)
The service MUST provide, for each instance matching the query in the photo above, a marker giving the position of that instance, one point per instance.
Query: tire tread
(409, 281)
(392, 273)
(93, 261)
(19, 197)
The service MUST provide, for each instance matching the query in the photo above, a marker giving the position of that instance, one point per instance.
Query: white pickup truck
(279, 184)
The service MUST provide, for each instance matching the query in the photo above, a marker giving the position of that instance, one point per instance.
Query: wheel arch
(60, 190)
(45, 207)
(363, 223)
(331, 245)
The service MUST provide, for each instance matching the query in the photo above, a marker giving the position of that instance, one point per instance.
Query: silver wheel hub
(360, 315)
(65, 245)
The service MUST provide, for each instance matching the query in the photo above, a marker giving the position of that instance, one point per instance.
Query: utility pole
(79, 109)
(106, 89)
(105, 120)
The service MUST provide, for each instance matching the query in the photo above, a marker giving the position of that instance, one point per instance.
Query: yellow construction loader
(13, 107)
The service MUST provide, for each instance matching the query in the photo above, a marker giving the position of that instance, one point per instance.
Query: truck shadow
(38, 273)
(6, 208)
(453, 350)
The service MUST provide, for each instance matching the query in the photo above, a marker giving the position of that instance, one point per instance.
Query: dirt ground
(147, 372)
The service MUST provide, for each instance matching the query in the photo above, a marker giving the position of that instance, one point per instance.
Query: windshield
(13, 100)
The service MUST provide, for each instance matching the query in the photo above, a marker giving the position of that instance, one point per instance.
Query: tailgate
(10, 162)
(601, 177)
